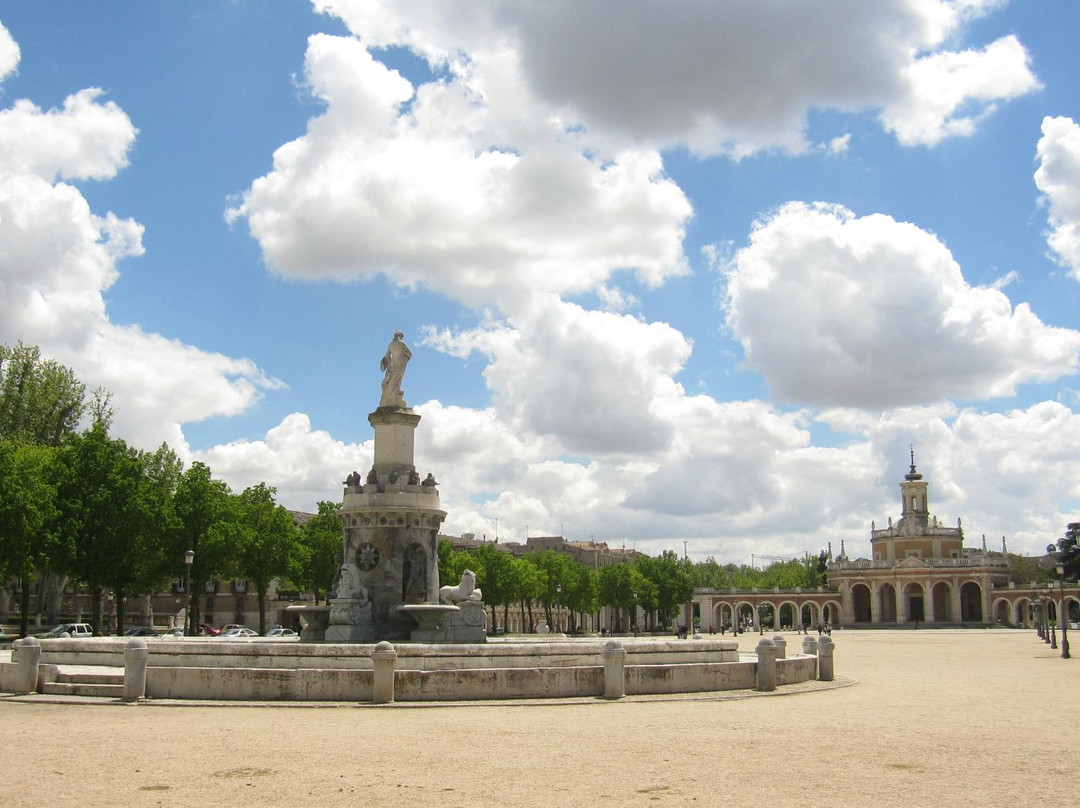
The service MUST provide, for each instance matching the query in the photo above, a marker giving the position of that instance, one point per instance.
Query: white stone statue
(464, 591)
(393, 364)
(349, 586)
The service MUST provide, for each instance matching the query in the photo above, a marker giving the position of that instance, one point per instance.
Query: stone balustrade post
(614, 670)
(28, 651)
(825, 659)
(766, 665)
(809, 647)
(136, 655)
(781, 646)
(384, 660)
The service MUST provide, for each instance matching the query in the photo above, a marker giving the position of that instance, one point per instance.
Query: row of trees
(547, 579)
(85, 507)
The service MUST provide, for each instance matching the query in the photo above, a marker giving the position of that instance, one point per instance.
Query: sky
(685, 275)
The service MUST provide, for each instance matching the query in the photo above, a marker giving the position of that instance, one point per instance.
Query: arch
(914, 602)
(886, 603)
(1022, 612)
(810, 614)
(861, 603)
(1003, 612)
(941, 602)
(971, 602)
(746, 612)
(786, 615)
(723, 614)
(830, 613)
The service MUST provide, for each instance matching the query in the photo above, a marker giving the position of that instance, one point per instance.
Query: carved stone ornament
(367, 557)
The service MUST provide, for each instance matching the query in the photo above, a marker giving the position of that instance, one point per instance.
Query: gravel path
(938, 717)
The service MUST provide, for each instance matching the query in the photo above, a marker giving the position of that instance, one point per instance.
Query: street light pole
(1063, 613)
(189, 621)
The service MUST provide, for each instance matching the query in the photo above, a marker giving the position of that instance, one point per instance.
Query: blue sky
(671, 273)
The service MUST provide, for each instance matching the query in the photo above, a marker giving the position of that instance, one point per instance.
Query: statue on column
(393, 364)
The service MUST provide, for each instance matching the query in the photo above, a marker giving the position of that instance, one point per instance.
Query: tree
(41, 401)
(582, 592)
(315, 562)
(528, 586)
(673, 585)
(27, 517)
(495, 578)
(268, 541)
(112, 515)
(554, 575)
(1067, 551)
(620, 586)
(207, 524)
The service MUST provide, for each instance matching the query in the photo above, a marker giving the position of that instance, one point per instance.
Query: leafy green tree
(620, 586)
(1067, 551)
(581, 594)
(1025, 570)
(528, 586)
(554, 569)
(496, 578)
(673, 584)
(315, 562)
(111, 514)
(27, 517)
(268, 540)
(209, 525)
(41, 401)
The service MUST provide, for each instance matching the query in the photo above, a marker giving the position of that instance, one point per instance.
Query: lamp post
(1053, 624)
(189, 623)
(1063, 613)
(558, 606)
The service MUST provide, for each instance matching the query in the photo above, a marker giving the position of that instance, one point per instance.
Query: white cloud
(431, 193)
(947, 94)
(58, 258)
(722, 77)
(1058, 177)
(305, 465)
(837, 310)
(9, 53)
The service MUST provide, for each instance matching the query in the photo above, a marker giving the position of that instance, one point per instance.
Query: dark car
(140, 631)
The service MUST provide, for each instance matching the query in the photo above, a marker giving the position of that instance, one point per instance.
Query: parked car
(68, 630)
(208, 630)
(228, 626)
(238, 632)
(278, 631)
(174, 632)
(140, 631)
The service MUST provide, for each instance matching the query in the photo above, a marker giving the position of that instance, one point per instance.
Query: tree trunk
(494, 620)
(95, 609)
(262, 609)
(120, 601)
(532, 627)
(547, 615)
(24, 607)
(506, 613)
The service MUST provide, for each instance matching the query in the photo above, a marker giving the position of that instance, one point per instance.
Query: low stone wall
(409, 672)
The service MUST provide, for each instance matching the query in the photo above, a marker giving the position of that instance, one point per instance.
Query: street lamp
(1063, 613)
(189, 559)
(558, 605)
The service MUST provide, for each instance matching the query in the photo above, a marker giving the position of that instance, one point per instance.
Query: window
(913, 554)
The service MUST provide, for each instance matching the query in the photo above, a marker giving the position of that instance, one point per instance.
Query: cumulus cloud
(9, 53)
(305, 465)
(1058, 177)
(594, 380)
(58, 258)
(837, 310)
(429, 193)
(719, 78)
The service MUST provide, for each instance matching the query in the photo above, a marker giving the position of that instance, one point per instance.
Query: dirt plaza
(919, 718)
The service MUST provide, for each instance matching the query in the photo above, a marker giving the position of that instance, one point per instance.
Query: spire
(912, 474)
(1004, 550)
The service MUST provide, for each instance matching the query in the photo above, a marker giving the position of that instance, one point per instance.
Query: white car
(68, 630)
(281, 632)
(239, 631)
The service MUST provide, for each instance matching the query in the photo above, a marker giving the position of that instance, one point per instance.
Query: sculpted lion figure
(466, 590)
(349, 585)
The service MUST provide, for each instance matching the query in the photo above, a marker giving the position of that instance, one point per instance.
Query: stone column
(825, 659)
(928, 600)
(766, 665)
(898, 596)
(809, 647)
(957, 615)
(28, 650)
(781, 646)
(614, 656)
(383, 659)
(875, 603)
(136, 655)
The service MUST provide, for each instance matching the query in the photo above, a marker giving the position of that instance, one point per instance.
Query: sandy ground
(946, 717)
